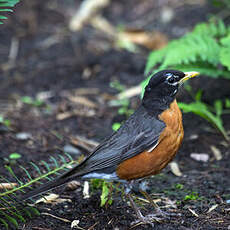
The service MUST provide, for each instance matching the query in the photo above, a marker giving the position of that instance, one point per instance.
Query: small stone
(193, 137)
(23, 136)
(204, 157)
(71, 150)
(167, 14)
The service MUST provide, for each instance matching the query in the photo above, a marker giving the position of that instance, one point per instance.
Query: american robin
(143, 145)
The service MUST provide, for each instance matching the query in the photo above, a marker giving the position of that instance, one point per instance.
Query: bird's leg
(142, 219)
(158, 210)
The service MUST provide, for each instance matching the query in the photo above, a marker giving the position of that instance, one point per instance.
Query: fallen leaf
(83, 101)
(204, 157)
(193, 212)
(212, 208)
(175, 168)
(76, 112)
(75, 225)
(73, 185)
(51, 199)
(131, 92)
(84, 143)
(152, 40)
(216, 152)
(87, 11)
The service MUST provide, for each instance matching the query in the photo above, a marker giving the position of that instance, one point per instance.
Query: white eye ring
(172, 79)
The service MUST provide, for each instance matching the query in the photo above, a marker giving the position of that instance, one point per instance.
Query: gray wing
(139, 133)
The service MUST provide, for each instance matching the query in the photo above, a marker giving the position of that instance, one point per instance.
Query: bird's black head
(163, 87)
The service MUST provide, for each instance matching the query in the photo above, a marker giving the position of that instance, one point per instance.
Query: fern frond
(206, 48)
(5, 6)
(13, 211)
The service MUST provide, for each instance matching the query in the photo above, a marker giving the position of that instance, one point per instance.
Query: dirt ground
(58, 66)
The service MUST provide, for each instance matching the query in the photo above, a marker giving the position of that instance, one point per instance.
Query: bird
(144, 145)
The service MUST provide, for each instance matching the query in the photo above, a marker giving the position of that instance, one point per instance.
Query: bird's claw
(149, 219)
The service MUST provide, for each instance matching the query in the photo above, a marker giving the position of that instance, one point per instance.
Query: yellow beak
(188, 75)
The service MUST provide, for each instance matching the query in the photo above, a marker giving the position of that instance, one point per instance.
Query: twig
(88, 10)
(7, 185)
(131, 92)
(13, 53)
(84, 143)
(56, 217)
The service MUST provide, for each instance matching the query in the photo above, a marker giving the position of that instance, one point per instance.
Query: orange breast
(150, 163)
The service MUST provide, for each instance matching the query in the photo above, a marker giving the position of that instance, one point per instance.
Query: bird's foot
(148, 219)
(163, 214)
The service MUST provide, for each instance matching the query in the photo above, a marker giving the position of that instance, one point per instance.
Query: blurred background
(72, 71)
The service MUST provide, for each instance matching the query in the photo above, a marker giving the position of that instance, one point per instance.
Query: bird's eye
(171, 79)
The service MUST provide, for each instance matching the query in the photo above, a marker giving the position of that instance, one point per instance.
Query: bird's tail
(66, 177)
(45, 187)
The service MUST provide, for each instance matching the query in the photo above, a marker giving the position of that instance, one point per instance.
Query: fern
(13, 211)
(5, 6)
(206, 49)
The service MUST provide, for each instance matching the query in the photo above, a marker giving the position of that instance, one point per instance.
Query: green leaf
(35, 211)
(6, 10)
(225, 41)
(27, 100)
(192, 196)
(8, 3)
(4, 7)
(15, 156)
(227, 103)
(117, 85)
(218, 105)
(3, 17)
(116, 126)
(104, 194)
(225, 56)
(4, 223)
(198, 95)
(202, 110)
(12, 220)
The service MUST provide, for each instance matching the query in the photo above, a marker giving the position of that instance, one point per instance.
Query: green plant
(105, 188)
(211, 113)
(5, 6)
(30, 101)
(12, 159)
(15, 156)
(205, 49)
(116, 126)
(4, 121)
(192, 196)
(221, 3)
(179, 186)
(12, 210)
